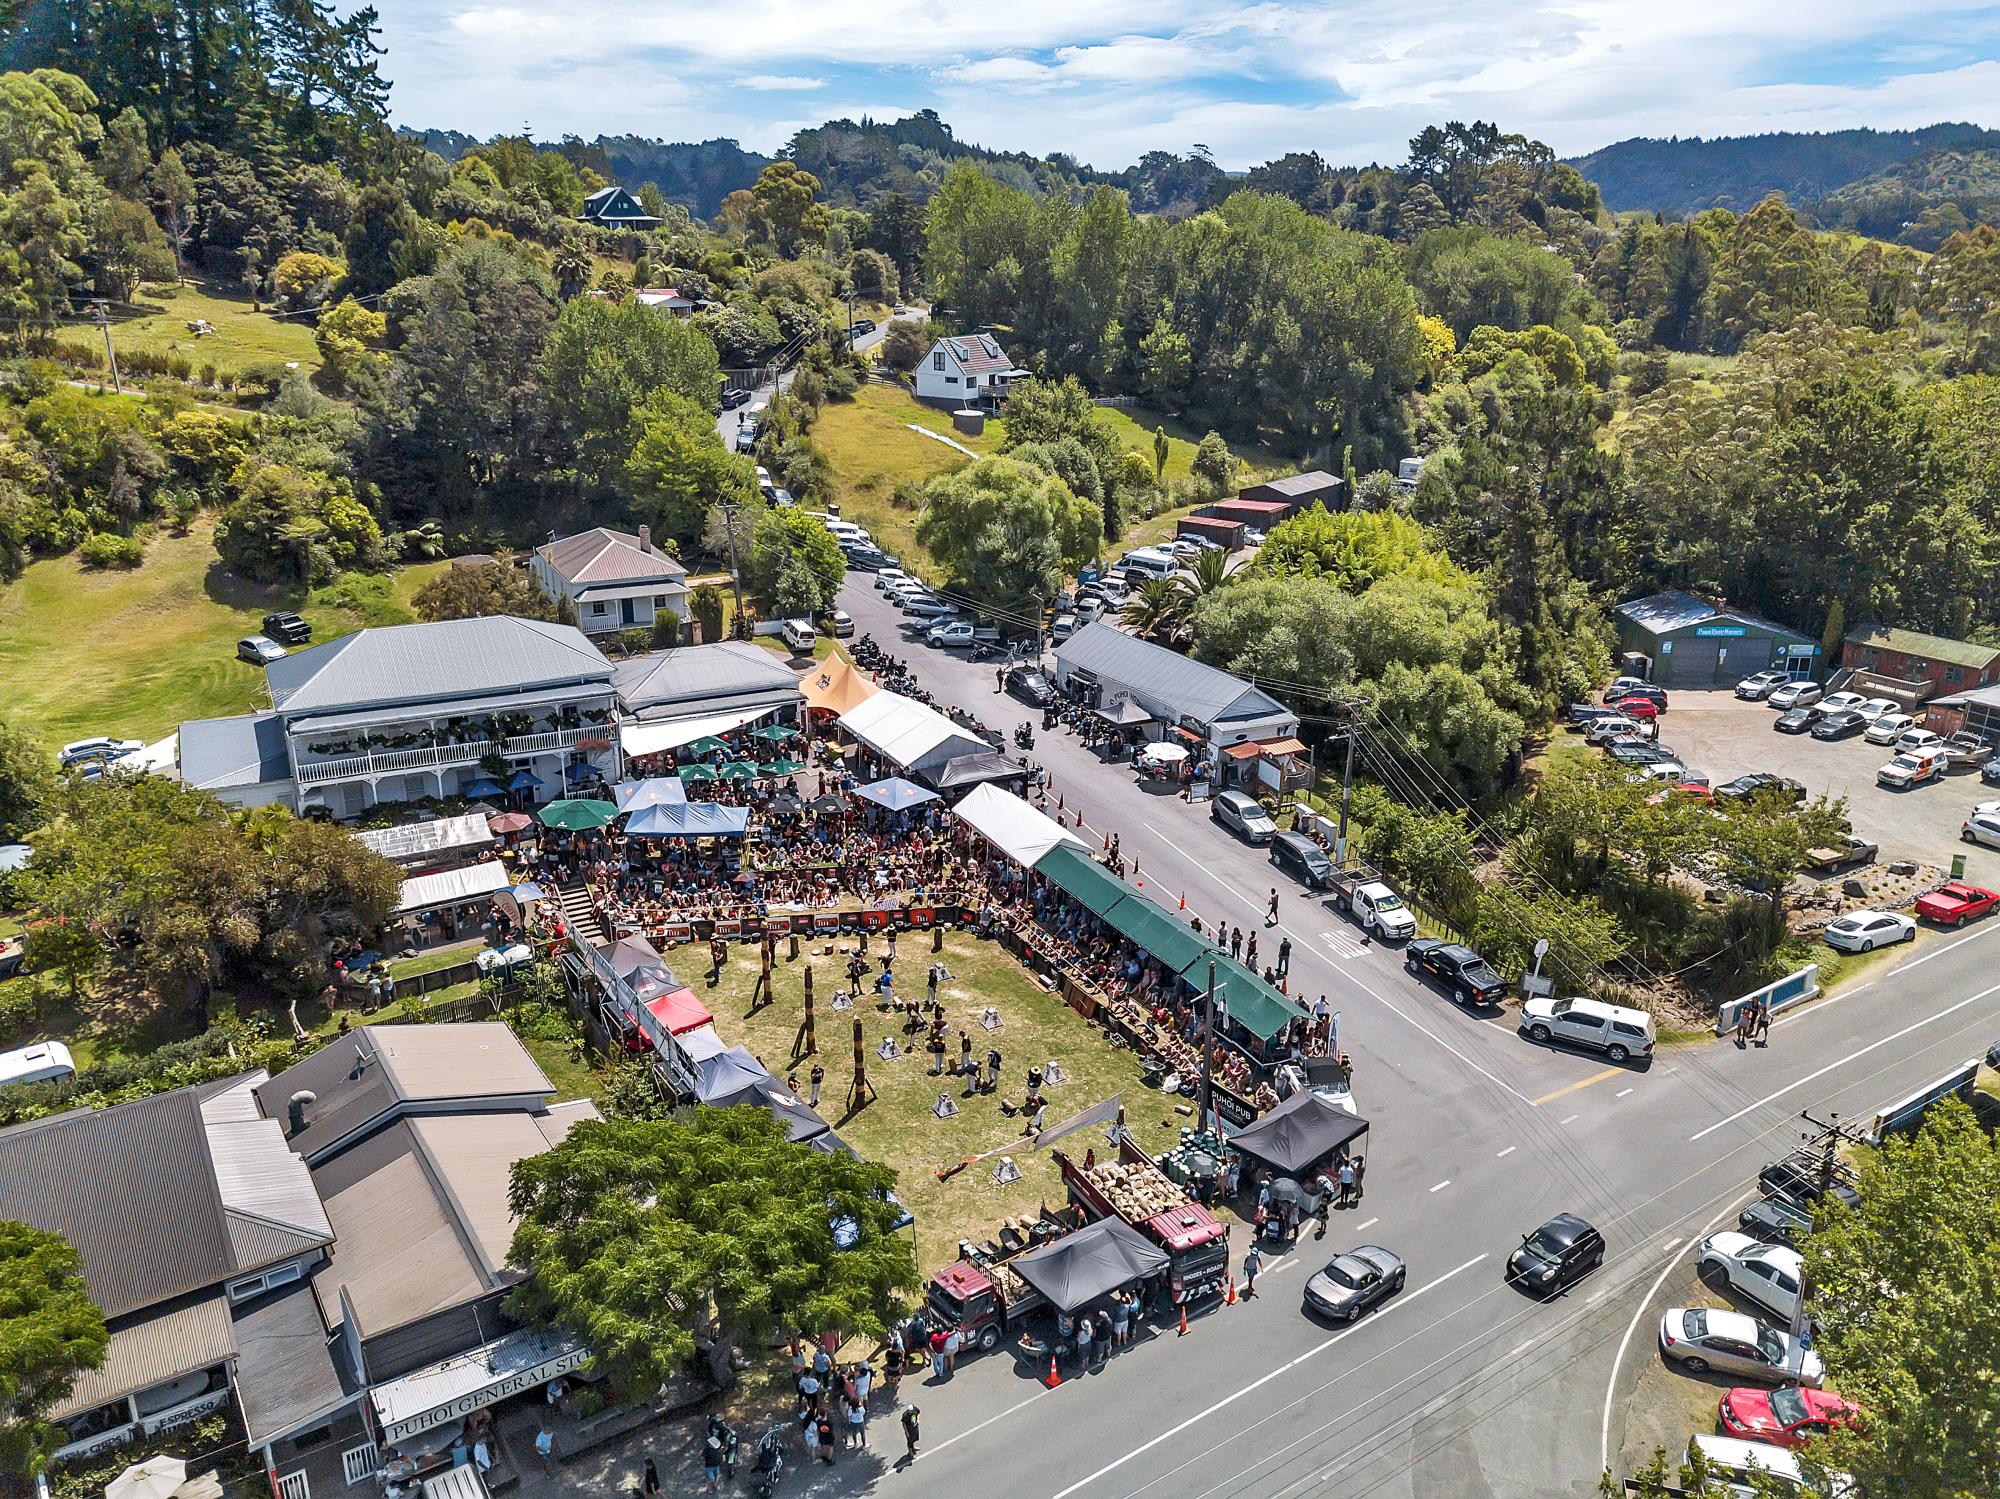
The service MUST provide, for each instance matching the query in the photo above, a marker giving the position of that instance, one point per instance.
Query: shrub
(106, 550)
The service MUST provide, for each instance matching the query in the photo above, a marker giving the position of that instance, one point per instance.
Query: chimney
(296, 1106)
(645, 538)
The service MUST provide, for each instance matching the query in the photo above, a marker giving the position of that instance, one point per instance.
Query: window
(951, 379)
(937, 360)
(597, 608)
(1952, 676)
(659, 601)
(256, 1285)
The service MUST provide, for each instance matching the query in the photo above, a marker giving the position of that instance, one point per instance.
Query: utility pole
(735, 573)
(1207, 1099)
(103, 311)
(1831, 1135)
(1346, 787)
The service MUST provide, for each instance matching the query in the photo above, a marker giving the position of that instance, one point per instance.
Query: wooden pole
(764, 993)
(863, 1092)
(805, 1044)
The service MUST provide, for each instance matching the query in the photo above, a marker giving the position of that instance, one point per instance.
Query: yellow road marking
(1582, 1082)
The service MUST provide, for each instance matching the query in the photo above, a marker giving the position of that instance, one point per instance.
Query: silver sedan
(1353, 1282)
(1701, 1338)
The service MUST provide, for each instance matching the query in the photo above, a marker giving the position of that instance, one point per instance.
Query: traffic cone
(1107, 842)
(1184, 900)
(1183, 1332)
(1230, 1299)
(1059, 801)
(1055, 1376)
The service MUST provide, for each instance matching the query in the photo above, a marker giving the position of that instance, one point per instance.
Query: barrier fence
(1774, 998)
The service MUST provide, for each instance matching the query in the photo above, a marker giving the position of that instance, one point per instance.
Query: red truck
(979, 1296)
(1134, 1189)
(1957, 903)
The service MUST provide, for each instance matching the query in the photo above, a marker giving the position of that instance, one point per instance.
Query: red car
(1639, 707)
(1790, 1417)
(1957, 903)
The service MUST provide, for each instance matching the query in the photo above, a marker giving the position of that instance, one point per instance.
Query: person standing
(1760, 1027)
(1235, 942)
(1121, 1318)
(826, 1438)
(1103, 1334)
(1346, 1183)
(1252, 1263)
(650, 1485)
(545, 1447)
(910, 1414)
(1250, 953)
(818, 1077)
(1320, 1213)
(1271, 915)
(1284, 957)
(1360, 1171)
(1083, 1340)
(954, 1340)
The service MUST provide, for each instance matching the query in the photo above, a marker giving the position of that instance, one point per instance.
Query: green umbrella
(775, 732)
(780, 768)
(739, 770)
(707, 745)
(578, 816)
(697, 772)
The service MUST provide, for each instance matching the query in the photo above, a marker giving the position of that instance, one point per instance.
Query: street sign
(1537, 987)
(1541, 948)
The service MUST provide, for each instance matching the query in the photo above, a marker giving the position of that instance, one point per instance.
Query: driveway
(726, 422)
(1722, 736)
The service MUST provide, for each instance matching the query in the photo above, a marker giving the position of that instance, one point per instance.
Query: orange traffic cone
(1055, 1377)
(1107, 842)
(1059, 801)
(1183, 1319)
(1230, 1299)
(1184, 900)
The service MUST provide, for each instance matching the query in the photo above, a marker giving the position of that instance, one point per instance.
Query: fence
(1782, 995)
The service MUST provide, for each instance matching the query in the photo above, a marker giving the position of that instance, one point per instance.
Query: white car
(1618, 1032)
(97, 749)
(891, 577)
(1795, 695)
(1598, 730)
(1864, 931)
(1887, 728)
(1766, 1274)
(1760, 685)
(1875, 707)
(1842, 702)
(1700, 1338)
(1905, 771)
(1919, 742)
(1982, 827)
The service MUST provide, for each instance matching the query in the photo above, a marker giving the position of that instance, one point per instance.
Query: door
(1585, 1030)
(627, 615)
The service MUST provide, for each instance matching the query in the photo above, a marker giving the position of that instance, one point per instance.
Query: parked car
(1864, 931)
(44, 1062)
(1599, 730)
(1701, 1338)
(1090, 608)
(1804, 1178)
(1371, 901)
(1240, 813)
(862, 327)
(1029, 685)
(287, 628)
(1842, 702)
(1651, 691)
(1844, 724)
(1795, 695)
(1634, 752)
(1776, 1220)
(1580, 716)
(1616, 1031)
(731, 399)
(1957, 903)
(1887, 728)
(1920, 742)
(1982, 827)
(1908, 770)
(1643, 709)
(837, 623)
(1466, 976)
(1353, 1282)
(1760, 685)
(1788, 1417)
(1990, 772)
(1624, 687)
(1738, 1465)
(928, 606)
(1746, 786)
(1062, 627)
(79, 751)
(891, 577)
(260, 650)
(1669, 769)
(1766, 1275)
(1874, 707)
(1966, 749)
(1302, 859)
(954, 633)
(746, 438)
(799, 636)
(1558, 1254)
(1796, 720)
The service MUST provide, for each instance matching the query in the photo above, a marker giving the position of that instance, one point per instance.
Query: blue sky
(1110, 79)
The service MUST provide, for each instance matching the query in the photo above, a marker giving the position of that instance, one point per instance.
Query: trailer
(1134, 1189)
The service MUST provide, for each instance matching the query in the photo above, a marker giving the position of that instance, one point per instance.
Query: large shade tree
(50, 1332)
(1007, 532)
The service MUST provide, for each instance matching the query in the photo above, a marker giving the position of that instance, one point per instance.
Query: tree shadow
(233, 591)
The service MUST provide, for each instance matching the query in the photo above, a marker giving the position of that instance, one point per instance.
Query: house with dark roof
(614, 580)
(1138, 684)
(395, 714)
(1679, 639)
(1275, 499)
(614, 208)
(970, 370)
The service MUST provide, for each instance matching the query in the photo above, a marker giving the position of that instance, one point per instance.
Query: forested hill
(1920, 202)
(1686, 175)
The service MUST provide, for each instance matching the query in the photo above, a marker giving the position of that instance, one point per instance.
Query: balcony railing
(443, 756)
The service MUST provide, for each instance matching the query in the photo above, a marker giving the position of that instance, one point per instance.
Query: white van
(42, 1063)
(1733, 1460)
(798, 636)
(1150, 562)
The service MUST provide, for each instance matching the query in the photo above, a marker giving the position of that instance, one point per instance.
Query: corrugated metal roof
(430, 662)
(246, 751)
(155, 1350)
(287, 1375)
(703, 678)
(1298, 486)
(1185, 687)
(132, 1189)
(262, 1182)
(1676, 609)
(492, 702)
(411, 841)
(472, 1157)
(604, 555)
(1931, 647)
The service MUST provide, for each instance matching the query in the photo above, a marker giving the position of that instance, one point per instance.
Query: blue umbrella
(580, 771)
(527, 890)
(896, 794)
(485, 786)
(523, 780)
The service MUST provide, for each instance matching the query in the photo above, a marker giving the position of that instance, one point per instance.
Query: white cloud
(777, 83)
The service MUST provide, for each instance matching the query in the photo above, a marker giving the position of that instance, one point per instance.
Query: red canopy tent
(679, 1011)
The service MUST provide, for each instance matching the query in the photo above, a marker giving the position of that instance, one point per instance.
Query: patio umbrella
(510, 822)
(1163, 753)
(739, 770)
(155, 1478)
(785, 804)
(897, 794)
(780, 768)
(828, 805)
(708, 744)
(523, 780)
(578, 816)
(777, 733)
(484, 809)
(654, 791)
(528, 890)
(697, 772)
(485, 786)
(580, 771)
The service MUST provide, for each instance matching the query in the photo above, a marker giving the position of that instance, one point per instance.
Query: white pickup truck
(1378, 908)
(960, 632)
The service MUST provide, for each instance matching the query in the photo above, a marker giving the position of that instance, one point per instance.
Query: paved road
(726, 421)
(1460, 1386)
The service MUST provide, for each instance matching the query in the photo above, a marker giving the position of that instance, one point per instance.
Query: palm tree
(1208, 573)
(571, 267)
(1157, 607)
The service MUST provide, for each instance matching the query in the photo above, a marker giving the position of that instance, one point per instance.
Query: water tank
(970, 423)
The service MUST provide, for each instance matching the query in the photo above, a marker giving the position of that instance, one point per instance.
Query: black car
(287, 628)
(1582, 715)
(863, 325)
(1776, 1220)
(731, 399)
(1745, 787)
(1462, 971)
(1804, 1180)
(1558, 1254)
(1641, 754)
(1030, 686)
(1353, 1282)
(1796, 720)
(1302, 859)
(1839, 725)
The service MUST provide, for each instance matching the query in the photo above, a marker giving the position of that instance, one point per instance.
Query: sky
(1107, 80)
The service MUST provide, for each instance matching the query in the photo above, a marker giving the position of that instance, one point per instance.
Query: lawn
(242, 337)
(133, 653)
(898, 1128)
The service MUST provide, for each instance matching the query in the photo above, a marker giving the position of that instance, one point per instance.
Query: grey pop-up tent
(1075, 1270)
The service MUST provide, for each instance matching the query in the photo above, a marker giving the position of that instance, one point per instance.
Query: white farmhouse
(614, 579)
(968, 371)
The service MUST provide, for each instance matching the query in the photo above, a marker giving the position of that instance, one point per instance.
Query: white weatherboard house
(613, 579)
(968, 371)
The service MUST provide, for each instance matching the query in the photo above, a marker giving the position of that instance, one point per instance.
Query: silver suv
(1241, 814)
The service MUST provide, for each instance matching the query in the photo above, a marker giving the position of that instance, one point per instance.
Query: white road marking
(1507, 1152)
(1398, 1012)
(1442, 1185)
(971, 1430)
(1361, 1228)
(1281, 1267)
(1667, 1248)
(1572, 1119)
(1257, 1384)
(1621, 1092)
(1517, 1352)
(1821, 1006)
(1853, 1056)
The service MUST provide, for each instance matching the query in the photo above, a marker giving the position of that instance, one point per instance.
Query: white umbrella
(1164, 753)
(155, 1478)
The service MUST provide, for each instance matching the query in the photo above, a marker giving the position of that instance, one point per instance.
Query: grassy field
(242, 337)
(134, 653)
(898, 1128)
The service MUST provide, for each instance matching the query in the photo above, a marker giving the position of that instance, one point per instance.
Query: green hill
(1921, 201)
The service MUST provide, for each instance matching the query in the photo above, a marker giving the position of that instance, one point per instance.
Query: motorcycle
(770, 1465)
(1024, 738)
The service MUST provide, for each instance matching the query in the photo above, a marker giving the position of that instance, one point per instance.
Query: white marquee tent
(1011, 825)
(905, 732)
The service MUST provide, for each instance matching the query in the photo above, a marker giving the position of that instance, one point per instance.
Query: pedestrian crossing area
(1343, 942)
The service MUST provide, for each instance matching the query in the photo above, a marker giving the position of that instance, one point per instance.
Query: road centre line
(1364, 1227)
(1507, 1152)
(1442, 1185)
(1572, 1119)
(1622, 1092)
(933, 1451)
(1258, 1384)
(1582, 1082)
(1853, 1056)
